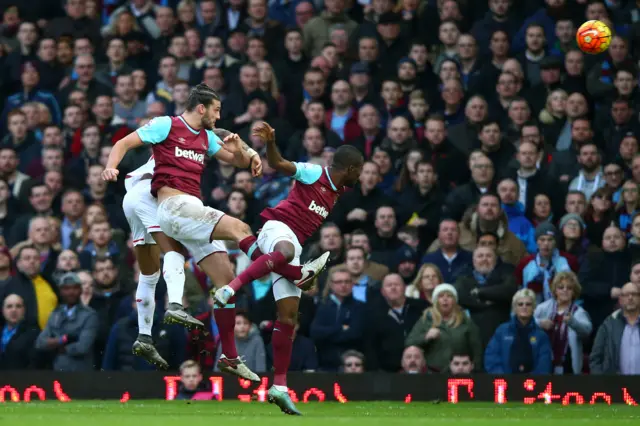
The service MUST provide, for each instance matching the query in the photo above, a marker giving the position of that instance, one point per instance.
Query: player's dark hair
(201, 95)
(347, 156)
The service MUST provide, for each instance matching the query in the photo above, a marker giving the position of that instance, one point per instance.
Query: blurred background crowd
(495, 226)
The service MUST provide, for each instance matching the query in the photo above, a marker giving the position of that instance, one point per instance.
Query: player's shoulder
(307, 173)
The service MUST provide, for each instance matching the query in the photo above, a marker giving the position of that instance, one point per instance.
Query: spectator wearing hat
(519, 346)
(316, 31)
(536, 271)
(486, 292)
(572, 237)
(392, 318)
(407, 259)
(342, 117)
(17, 337)
(603, 274)
(444, 329)
(30, 79)
(71, 330)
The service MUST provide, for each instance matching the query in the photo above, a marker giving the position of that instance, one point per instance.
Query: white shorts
(140, 208)
(271, 234)
(187, 220)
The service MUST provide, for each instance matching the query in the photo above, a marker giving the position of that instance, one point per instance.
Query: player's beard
(207, 123)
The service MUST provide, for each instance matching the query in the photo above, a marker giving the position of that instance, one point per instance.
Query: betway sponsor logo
(318, 209)
(189, 154)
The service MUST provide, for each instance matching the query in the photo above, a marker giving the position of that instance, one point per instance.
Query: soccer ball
(593, 37)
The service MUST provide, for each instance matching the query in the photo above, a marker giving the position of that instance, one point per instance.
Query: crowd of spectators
(495, 227)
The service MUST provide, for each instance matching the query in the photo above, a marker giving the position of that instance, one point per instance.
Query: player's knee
(287, 249)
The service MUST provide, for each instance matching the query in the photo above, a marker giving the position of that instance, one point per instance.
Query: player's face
(353, 175)
(211, 115)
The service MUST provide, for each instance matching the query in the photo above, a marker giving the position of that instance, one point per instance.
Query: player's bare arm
(250, 153)
(124, 145)
(267, 134)
(236, 152)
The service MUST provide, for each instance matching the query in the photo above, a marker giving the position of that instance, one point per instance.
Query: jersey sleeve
(214, 145)
(156, 130)
(307, 173)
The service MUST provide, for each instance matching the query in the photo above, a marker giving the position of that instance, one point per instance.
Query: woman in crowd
(572, 238)
(444, 329)
(566, 323)
(519, 346)
(427, 279)
(599, 215)
(628, 206)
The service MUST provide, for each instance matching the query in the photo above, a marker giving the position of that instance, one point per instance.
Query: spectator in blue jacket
(450, 258)
(339, 321)
(508, 191)
(519, 345)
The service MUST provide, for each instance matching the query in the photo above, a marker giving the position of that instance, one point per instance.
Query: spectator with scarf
(566, 323)
(486, 291)
(536, 271)
(519, 345)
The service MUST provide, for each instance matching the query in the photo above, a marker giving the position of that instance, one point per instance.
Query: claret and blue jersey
(309, 202)
(179, 151)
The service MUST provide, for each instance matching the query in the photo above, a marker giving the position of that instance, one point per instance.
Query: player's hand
(432, 334)
(110, 175)
(264, 132)
(232, 143)
(256, 166)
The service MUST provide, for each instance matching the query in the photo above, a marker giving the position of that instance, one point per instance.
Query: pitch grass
(211, 413)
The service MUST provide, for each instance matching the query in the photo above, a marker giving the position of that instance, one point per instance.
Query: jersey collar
(188, 127)
(326, 170)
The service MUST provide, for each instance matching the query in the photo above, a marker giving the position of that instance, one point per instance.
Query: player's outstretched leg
(173, 271)
(282, 342)
(147, 256)
(277, 261)
(218, 268)
(299, 275)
